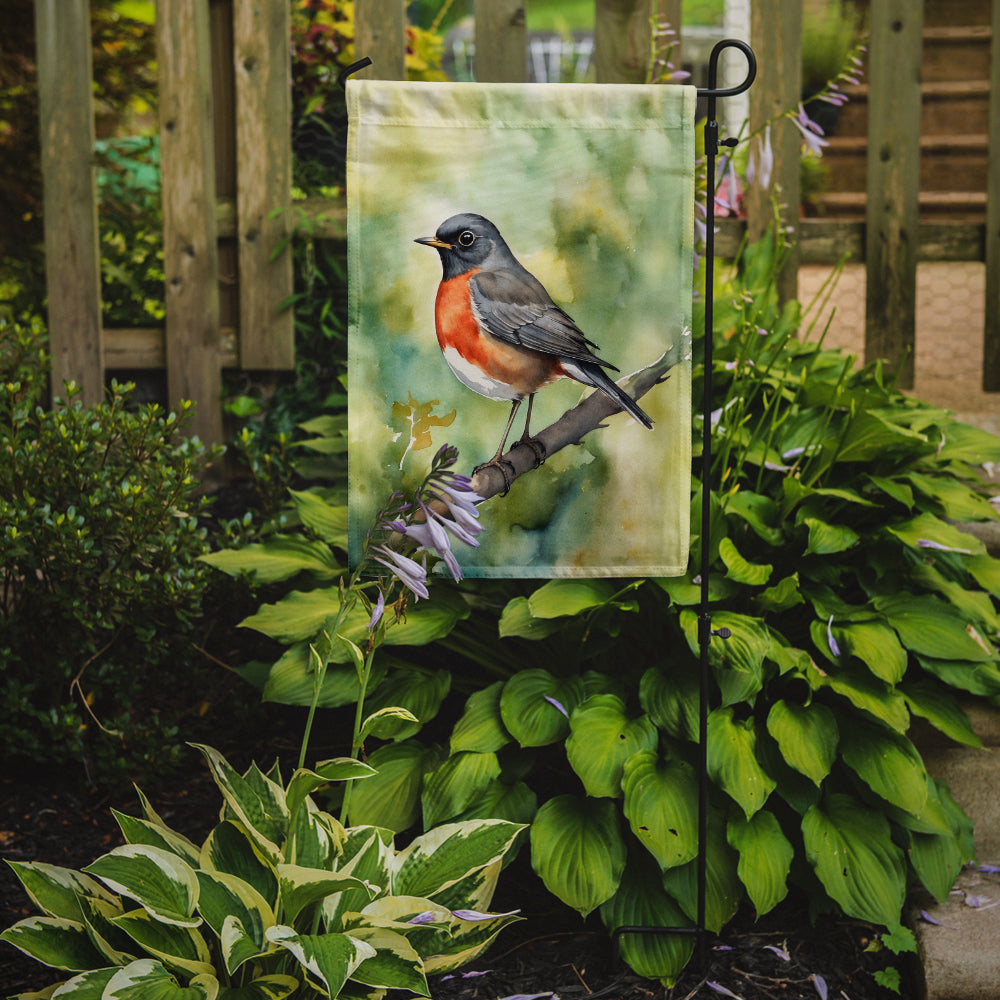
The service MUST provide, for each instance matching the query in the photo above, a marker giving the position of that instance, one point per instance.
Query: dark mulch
(551, 951)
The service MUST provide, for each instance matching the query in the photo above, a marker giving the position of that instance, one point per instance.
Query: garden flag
(514, 249)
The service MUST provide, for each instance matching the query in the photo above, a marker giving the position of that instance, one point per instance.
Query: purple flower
(831, 642)
(820, 983)
(719, 988)
(377, 611)
(411, 574)
(475, 915)
(761, 163)
(557, 704)
(427, 917)
(811, 132)
(927, 543)
(780, 952)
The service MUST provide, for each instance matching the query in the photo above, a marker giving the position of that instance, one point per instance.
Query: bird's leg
(533, 443)
(502, 464)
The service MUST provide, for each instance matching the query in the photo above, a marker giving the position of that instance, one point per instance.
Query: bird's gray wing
(514, 307)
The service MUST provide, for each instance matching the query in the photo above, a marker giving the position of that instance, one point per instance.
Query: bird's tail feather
(594, 376)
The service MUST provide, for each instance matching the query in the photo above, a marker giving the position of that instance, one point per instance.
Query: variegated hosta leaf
(329, 959)
(147, 979)
(602, 737)
(256, 801)
(116, 946)
(158, 880)
(141, 831)
(177, 947)
(56, 891)
(732, 760)
(273, 987)
(765, 858)
(225, 897)
(301, 887)
(395, 964)
(367, 853)
(642, 902)
(441, 857)
(850, 847)
(315, 838)
(86, 986)
(230, 849)
(578, 851)
(468, 939)
(54, 941)
(807, 736)
(304, 782)
(661, 800)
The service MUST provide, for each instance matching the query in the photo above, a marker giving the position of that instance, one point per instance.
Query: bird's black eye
(467, 238)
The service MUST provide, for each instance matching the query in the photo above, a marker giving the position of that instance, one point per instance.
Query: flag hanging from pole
(514, 249)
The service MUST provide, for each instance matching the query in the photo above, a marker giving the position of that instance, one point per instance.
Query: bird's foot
(506, 470)
(537, 447)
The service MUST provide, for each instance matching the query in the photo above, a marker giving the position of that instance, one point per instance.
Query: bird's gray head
(469, 242)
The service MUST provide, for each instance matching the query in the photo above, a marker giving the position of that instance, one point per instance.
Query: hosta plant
(279, 899)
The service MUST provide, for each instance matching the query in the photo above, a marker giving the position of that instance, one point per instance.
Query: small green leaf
(517, 620)
(807, 736)
(279, 558)
(765, 858)
(739, 569)
(828, 539)
(559, 598)
(481, 727)
(327, 520)
(732, 760)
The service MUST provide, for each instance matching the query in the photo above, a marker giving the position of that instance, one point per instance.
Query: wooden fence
(226, 161)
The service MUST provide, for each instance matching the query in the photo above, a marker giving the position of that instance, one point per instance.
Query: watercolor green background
(592, 188)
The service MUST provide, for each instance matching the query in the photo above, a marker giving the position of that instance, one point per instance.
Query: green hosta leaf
(147, 979)
(391, 798)
(279, 558)
(807, 736)
(517, 620)
(765, 858)
(732, 760)
(159, 881)
(481, 728)
(301, 887)
(530, 706)
(641, 901)
(783, 595)
(661, 798)
(260, 809)
(870, 436)
(142, 831)
(456, 784)
(327, 520)
(602, 738)
(291, 680)
(671, 699)
(56, 891)
(304, 782)
(385, 723)
(230, 849)
(941, 709)
(957, 501)
(828, 539)
(738, 661)
(986, 572)
(395, 964)
(866, 692)
(415, 689)
(976, 678)
(330, 959)
(578, 851)
(888, 763)
(928, 528)
(876, 646)
(975, 605)
(683, 591)
(850, 847)
(739, 569)
(516, 803)
(758, 511)
(893, 488)
(937, 859)
(180, 948)
(54, 941)
(931, 628)
(972, 445)
(723, 889)
(440, 858)
(558, 598)
(226, 898)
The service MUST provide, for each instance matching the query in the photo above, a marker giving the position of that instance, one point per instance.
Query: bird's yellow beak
(433, 241)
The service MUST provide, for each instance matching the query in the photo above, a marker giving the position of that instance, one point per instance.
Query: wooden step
(957, 206)
(947, 162)
(956, 53)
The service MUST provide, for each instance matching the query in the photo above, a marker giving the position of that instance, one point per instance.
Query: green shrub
(854, 604)
(280, 899)
(101, 584)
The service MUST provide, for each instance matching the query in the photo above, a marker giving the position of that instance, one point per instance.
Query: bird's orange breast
(525, 370)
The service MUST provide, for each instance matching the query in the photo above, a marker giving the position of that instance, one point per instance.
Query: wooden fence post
(72, 255)
(501, 41)
(262, 61)
(776, 34)
(623, 37)
(892, 214)
(380, 34)
(991, 332)
(190, 251)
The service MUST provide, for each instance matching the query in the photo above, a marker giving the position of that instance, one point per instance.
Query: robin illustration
(500, 331)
